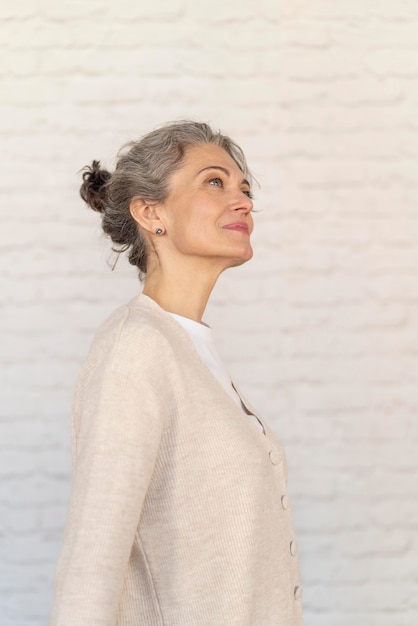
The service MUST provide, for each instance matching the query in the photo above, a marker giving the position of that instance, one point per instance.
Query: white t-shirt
(201, 335)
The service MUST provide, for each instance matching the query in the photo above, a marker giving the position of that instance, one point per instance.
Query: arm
(119, 415)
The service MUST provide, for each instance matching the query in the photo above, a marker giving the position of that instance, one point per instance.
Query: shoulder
(136, 334)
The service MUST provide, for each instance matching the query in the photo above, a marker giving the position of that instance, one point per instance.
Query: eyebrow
(222, 169)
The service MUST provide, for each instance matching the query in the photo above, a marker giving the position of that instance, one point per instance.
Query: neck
(183, 292)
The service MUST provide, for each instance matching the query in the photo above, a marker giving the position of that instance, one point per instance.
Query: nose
(242, 202)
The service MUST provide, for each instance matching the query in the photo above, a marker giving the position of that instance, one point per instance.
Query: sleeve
(119, 418)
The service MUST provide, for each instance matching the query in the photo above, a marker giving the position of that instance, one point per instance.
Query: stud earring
(159, 231)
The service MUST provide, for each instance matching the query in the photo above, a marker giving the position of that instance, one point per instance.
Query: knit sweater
(179, 513)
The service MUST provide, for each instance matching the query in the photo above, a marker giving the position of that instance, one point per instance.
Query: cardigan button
(285, 502)
(293, 548)
(298, 592)
(275, 456)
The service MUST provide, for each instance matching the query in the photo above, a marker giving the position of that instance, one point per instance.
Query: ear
(145, 214)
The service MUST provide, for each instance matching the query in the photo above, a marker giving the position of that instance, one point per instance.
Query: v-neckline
(179, 329)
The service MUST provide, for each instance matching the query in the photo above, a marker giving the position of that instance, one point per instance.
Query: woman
(179, 514)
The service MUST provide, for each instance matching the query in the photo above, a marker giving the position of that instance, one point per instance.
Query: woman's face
(207, 213)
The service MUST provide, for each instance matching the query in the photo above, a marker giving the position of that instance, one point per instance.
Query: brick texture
(320, 329)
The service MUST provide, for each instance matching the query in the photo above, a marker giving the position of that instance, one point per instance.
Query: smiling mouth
(239, 226)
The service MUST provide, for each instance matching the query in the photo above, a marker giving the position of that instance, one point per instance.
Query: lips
(239, 226)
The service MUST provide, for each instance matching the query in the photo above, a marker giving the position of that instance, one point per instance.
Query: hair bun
(93, 189)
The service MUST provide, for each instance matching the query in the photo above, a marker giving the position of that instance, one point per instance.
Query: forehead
(206, 154)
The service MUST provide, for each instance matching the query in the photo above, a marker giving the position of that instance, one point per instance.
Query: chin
(240, 260)
(248, 254)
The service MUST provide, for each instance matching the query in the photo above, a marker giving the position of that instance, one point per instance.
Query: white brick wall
(320, 329)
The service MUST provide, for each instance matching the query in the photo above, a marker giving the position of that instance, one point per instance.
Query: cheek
(192, 233)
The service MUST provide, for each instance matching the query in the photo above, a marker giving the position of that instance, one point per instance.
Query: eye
(217, 182)
(248, 193)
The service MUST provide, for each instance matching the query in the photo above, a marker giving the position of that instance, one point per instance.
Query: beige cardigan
(179, 513)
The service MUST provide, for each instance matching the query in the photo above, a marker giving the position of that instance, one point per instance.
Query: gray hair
(143, 169)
